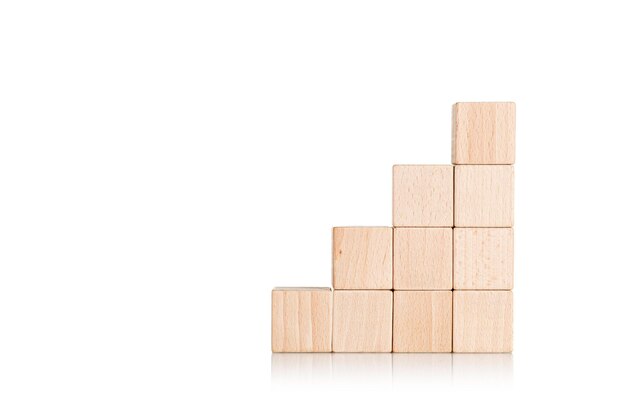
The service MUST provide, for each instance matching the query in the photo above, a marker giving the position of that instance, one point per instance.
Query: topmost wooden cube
(483, 133)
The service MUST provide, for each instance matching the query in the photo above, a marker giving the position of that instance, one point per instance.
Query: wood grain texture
(422, 321)
(302, 319)
(483, 258)
(422, 195)
(362, 258)
(482, 321)
(362, 321)
(483, 133)
(422, 258)
(483, 195)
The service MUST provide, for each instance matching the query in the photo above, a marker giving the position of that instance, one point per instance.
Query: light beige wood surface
(483, 196)
(302, 319)
(483, 133)
(423, 195)
(362, 258)
(422, 321)
(483, 258)
(482, 321)
(422, 258)
(362, 321)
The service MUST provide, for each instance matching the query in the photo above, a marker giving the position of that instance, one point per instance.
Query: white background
(163, 165)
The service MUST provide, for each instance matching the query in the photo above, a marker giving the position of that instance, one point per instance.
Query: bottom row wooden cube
(362, 321)
(320, 320)
(483, 321)
(422, 321)
(302, 319)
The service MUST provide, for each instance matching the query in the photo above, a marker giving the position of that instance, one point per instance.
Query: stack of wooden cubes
(440, 279)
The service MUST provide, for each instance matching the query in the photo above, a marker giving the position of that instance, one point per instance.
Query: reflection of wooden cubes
(362, 321)
(422, 195)
(301, 319)
(288, 369)
(493, 369)
(482, 321)
(422, 258)
(422, 321)
(483, 196)
(362, 258)
(371, 369)
(483, 133)
(483, 259)
(426, 370)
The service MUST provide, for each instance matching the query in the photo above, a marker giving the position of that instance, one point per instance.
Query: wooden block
(483, 133)
(422, 258)
(483, 196)
(483, 259)
(301, 319)
(422, 321)
(362, 321)
(482, 321)
(422, 195)
(362, 258)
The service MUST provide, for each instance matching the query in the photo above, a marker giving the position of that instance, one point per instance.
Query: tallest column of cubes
(483, 152)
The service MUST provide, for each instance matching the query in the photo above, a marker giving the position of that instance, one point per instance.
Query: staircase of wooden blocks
(440, 279)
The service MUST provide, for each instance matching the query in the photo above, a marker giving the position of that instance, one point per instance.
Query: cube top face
(423, 195)
(362, 258)
(483, 133)
(482, 321)
(302, 319)
(362, 321)
(483, 195)
(422, 321)
(422, 258)
(483, 259)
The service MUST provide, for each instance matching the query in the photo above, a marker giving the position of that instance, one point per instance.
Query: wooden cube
(362, 258)
(483, 258)
(422, 195)
(422, 321)
(422, 258)
(482, 321)
(483, 133)
(483, 196)
(302, 319)
(362, 321)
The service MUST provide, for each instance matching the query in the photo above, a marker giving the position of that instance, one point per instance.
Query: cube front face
(483, 133)
(422, 321)
(362, 258)
(422, 258)
(483, 196)
(423, 195)
(362, 321)
(483, 258)
(302, 319)
(482, 321)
